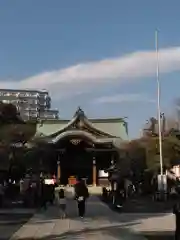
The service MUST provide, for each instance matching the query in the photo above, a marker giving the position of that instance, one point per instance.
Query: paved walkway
(10, 222)
(100, 223)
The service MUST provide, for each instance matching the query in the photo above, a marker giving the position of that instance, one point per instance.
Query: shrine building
(80, 147)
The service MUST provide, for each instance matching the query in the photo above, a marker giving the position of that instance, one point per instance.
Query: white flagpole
(158, 104)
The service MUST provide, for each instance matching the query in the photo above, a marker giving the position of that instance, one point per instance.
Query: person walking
(81, 195)
(62, 203)
(44, 195)
(176, 211)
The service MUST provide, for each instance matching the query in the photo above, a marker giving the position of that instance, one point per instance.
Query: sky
(99, 55)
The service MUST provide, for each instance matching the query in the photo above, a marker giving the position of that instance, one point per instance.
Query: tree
(9, 114)
(13, 131)
(16, 133)
(170, 141)
(12, 128)
(150, 128)
(137, 155)
(171, 123)
(144, 152)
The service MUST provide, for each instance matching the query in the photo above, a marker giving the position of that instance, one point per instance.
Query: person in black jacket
(81, 194)
(176, 211)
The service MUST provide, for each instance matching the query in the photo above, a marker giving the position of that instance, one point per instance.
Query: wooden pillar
(58, 171)
(94, 171)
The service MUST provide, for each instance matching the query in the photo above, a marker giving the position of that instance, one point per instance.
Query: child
(62, 203)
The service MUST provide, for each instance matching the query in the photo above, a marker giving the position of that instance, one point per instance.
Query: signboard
(49, 181)
(17, 145)
(72, 180)
(103, 174)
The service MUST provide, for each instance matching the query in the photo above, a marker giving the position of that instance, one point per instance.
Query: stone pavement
(161, 224)
(100, 223)
(11, 221)
(17, 211)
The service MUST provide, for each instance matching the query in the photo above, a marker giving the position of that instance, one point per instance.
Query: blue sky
(96, 54)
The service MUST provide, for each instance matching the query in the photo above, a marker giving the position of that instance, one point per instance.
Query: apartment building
(31, 104)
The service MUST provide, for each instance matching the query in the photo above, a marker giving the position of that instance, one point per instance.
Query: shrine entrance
(76, 161)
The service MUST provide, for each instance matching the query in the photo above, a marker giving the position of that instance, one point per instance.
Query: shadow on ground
(145, 204)
(99, 214)
(159, 236)
(10, 223)
(113, 231)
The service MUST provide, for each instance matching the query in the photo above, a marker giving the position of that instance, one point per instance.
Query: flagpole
(158, 104)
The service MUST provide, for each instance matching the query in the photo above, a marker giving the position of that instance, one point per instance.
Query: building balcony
(27, 95)
(53, 116)
(30, 109)
(49, 114)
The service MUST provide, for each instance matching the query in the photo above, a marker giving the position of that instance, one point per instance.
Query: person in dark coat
(81, 194)
(176, 211)
(44, 195)
(52, 192)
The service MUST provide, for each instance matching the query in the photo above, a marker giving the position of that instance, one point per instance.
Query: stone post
(94, 171)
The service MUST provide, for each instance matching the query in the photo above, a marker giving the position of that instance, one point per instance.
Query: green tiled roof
(99, 128)
(115, 127)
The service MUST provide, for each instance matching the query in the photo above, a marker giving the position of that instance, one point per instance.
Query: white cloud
(127, 97)
(85, 76)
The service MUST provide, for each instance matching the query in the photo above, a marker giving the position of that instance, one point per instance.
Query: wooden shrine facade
(82, 149)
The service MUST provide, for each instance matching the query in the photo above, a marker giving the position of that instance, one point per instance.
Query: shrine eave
(62, 150)
(79, 134)
(80, 127)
